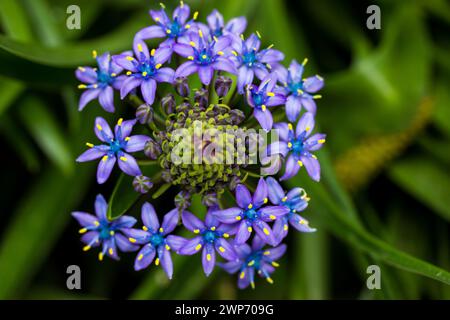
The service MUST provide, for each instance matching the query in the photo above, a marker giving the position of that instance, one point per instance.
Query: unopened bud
(182, 86)
(210, 199)
(142, 184)
(222, 85)
(168, 103)
(144, 114)
(183, 200)
(152, 150)
(201, 97)
(237, 116)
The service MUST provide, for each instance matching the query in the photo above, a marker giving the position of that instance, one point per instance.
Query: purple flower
(205, 56)
(145, 70)
(156, 239)
(250, 61)
(98, 230)
(117, 147)
(298, 145)
(295, 200)
(100, 82)
(211, 238)
(252, 214)
(173, 30)
(261, 97)
(299, 92)
(253, 260)
(217, 28)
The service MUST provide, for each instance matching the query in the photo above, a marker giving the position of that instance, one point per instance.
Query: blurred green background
(385, 194)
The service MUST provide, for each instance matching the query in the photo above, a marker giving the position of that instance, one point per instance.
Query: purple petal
(257, 243)
(205, 73)
(245, 77)
(221, 44)
(162, 54)
(309, 103)
(275, 253)
(282, 73)
(315, 142)
(192, 246)
(138, 236)
(85, 219)
(136, 143)
(123, 129)
(124, 244)
(109, 247)
(224, 64)
(123, 222)
(103, 61)
(87, 96)
(260, 195)
(176, 242)
(215, 20)
(149, 217)
(231, 266)
(144, 257)
(313, 84)
(260, 71)
(276, 192)
(253, 42)
(312, 167)
(210, 219)
(271, 213)
(104, 168)
(295, 71)
(191, 222)
(276, 100)
(103, 130)
(122, 60)
(160, 16)
(181, 13)
(279, 147)
(243, 196)
(270, 56)
(148, 89)
(292, 168)
(170, 221)
(91, 238)
(128, 85)
(243, 233)
(264, 232)
(86, 75)
(140, 50)
(300, 224)
(186, 69)
(283, 130)
(128, 164)
(228, 215)
(247, 277)
(208, 258)
(106, 99)
(280, 229)
(92, 154)
(293, 107)
(166, 263)
(306, 123)
(101, 208)
(236, 25)
(150, 33)
(264, 118)
(184, 50)
(165, 75)
(225, 249)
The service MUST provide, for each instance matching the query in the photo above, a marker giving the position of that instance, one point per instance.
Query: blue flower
(155, 239)
(99, 83)
(217, 28)
(251, 61)
(297, 147)
(211, 236)
(254, 260)
(145, 70)
(261, 97)
(117, 148)
(205, 56)
(98, 230)
(252, 214)
(296, 201)
(299, 91)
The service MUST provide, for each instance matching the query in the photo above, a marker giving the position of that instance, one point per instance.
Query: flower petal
(215, 20)
(148, 89)
(313, 84)
(186, 69)
(101, 208)
(192, 246)
(280, 229)
(184, 50)
(236, 25)
(128, 85)
(175, 242)
(275, 191)
(144, 257)
(300, 224)
(123, 61)
(85, 219)
(163, 54)
(312, 167)
(141, 50)
(170, 221)
(291, 169)
(208, 258)
(231, 266)
(104, 168)
(191, 222)
(253, 42)
(136, 143)
(137, 236)
(264, 232)
(279, 147)
(103, 130)
(295, 71)
(245, 77)
(264, 118)
(129, 165)
(123, 222)
(124, 244)
(283, 131)
(243, 233)
(149, 217)
(150, 33)
(243, 196)
(123, 129)
(275, 253)
(306, 123)
(309, 103)
(228, 215)
(87, 96)
(225, 249)
(224, 64)
(165, 75)
(245, 277)
(293, 107)
(92, 154)
(206, 74)
(271, 213)
(166, 262)
(315, 142)
(270, 56)
(106, 99)
(86, 75)
(181, 13)
(276, 100)
(260, 194)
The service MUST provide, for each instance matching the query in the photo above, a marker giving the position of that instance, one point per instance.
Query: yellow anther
(152, 53)
(263, 107)
(144, 74)
(95, 86)
(290, 126)
(221, 249)
(127, 139)
(132, 240)
(270, 46)
(187, 26)
(266, 200)
(111, 251)
(105, 157)
(198, 247)
(289, 145)
(119, 122)
(321, 141)
(266, 253)
(157, 19)
(140, 257)
(251, 263)
(96, 223)
(275, 264)
(129, 58)
(161, 230)
(100, 256)
(319, 77)
(250, 206)
(144, 228)
(94, 54)
(86, 248)
(226, 235)
(124, 159)
(249, 229)
(252, 283)
(181, 4)
(317, 96)
(242, 36)
(305, 61)
(159, 65)
(168, 31)
(303, 222)
(90, 145)
(196, 230)
(300, 163)
(82, 69)
(99, 127)
(269, 280)
(314, 156)
(266, 232)
(167, 247)
(272, 217)
(213, 228)
(113, 74)
(195, 15)
(299, 91)
(190, 58)
(208, 257)
(215, 38)
(140, 49)
(258, 34)
(84, 230)
(285, 228)
(238, 218)
(192, 43)
(129, 73)
(307, 128)
(242, 275)
(200, 33)
(157, 262)
(162, 5)
(235, 53)
(220, 53)
(204, 56)
(284, 199)
(82, 86)
(111, 233)
(270, 94)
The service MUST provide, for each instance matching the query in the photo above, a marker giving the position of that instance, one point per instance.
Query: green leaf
(47, 133)
(9, 91)
(14, 20)
(426, 180)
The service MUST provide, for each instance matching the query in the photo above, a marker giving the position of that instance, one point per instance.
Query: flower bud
(183, 200)
(237, 116)
(222, 85)
(142, 184)
(144, 114)
(168, 103)
(201, 97)
(152, 150)
(182, 86)
(210, 199)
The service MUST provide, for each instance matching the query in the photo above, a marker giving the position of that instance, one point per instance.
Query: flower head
(117, 147)
(251, 61)
(299, 91)
(145, 70)
(171, 29)
(254, 260)
(98, 230)
(296, 200)
(297, 147)
(252, 214)
(155, 239)
(210, 238)
(205, 56)
(100, 82)
(261, 97)
(218, 28)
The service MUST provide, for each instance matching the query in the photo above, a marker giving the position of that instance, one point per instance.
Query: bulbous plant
(205, 142)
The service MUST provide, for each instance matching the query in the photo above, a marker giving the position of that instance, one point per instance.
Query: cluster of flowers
(209, 50)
